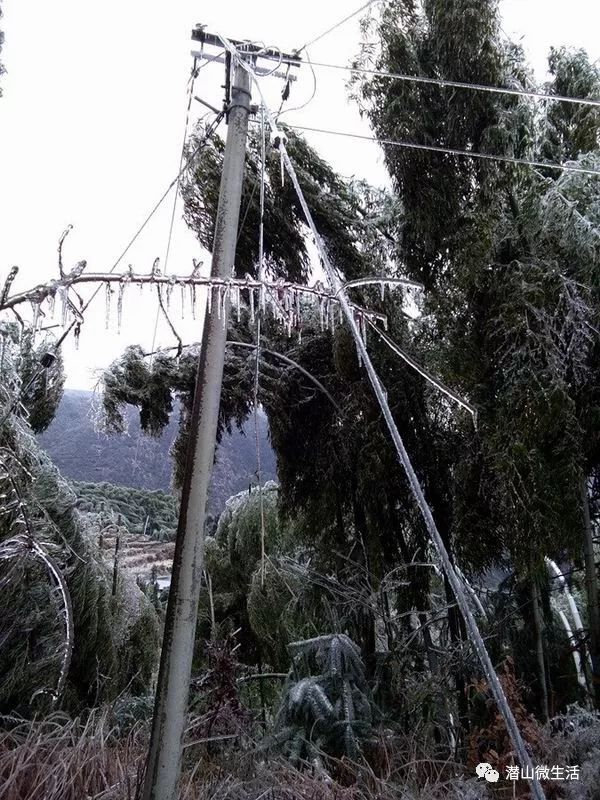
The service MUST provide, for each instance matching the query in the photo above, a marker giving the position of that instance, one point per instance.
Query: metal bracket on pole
(199, 34)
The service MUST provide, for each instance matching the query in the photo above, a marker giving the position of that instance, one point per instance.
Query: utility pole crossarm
(199, 34)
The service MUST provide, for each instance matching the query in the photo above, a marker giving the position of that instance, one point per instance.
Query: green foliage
(232, 559)
(37, 370)
(33, 612)
(279, 611)
(503, 253)
(139, 510)
(154, 388)
(42, 385)
(569, 130)
(239, 529)
(335, 205)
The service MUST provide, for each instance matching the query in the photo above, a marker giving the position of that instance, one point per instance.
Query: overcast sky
(91, 125)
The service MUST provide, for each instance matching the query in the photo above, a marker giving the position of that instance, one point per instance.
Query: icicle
(321, 312)
(226, 297)
(282, 167)
(36, 315)
(251, 301)
(182, 290)
(219, 300)
(382, 285)
(340, 313)
(64, 308)
(237, 302)
(193, 299)
(107, 306)
(262, 299)
(120, 306)
(51, 304)
(76, 334)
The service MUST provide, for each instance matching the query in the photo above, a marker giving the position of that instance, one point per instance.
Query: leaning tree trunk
(591, 586)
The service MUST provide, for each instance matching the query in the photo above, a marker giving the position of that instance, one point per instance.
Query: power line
(208, 133)
(452, 151)
(336, 26)
(480, 87)
(191, 84)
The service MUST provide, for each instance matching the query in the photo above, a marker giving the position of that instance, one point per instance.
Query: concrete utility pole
(171, 704)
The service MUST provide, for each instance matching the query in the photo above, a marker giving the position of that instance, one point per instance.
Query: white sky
(92, 116)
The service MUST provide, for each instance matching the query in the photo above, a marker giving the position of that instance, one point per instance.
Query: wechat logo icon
(485, 770)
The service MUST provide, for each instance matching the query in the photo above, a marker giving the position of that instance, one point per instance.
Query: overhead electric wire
(160, 307)
(336, 26)
(209, 131)
(452, 151)
(303, 105)
(479, 87)
(260, 273)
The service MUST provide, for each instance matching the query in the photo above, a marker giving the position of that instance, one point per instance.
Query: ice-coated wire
(191, 85)
(261, 257)
(337, 25)
(477, 87)
(452, 151)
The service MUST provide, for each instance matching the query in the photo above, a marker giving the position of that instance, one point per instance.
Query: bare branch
(64, 235)
(7, 284)
(168, 318)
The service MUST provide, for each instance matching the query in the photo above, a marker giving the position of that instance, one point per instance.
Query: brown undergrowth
(96, 757)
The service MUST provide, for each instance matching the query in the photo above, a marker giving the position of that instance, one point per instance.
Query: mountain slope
(84, 454)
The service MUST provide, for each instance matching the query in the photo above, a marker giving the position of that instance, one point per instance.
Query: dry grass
(63, 759)
(91, 758)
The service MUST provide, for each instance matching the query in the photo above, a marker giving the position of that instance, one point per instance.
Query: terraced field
(138, 556)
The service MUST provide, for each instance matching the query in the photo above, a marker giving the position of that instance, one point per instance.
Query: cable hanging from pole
(161, 307)
(381, 395)
(189, 160)
(260, 275)
(337, 25)
(76, 322)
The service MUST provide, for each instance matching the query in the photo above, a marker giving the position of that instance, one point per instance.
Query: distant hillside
(142, 512)
(83, 454)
